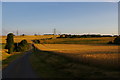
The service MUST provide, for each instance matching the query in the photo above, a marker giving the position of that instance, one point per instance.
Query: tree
(23, 34)
(117, 40)
(10, 43)
(35, 34)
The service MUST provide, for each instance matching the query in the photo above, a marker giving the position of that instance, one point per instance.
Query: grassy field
(101, 40)
(27, 37)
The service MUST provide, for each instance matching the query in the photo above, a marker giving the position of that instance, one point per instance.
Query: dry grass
(102, 55)
(8, 58)
(3, 52)
(5, 55)
(74, 61)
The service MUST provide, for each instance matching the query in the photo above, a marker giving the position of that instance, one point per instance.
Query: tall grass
(53, 65)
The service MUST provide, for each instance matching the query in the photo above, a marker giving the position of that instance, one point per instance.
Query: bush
(23, 46)
(110, 42)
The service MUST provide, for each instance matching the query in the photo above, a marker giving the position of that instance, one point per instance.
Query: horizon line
(65, 33)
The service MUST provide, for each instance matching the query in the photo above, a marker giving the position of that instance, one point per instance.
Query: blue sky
(60, 0)
(66, 17)
(0, 18)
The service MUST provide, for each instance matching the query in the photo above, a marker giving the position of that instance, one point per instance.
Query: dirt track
(20, 68)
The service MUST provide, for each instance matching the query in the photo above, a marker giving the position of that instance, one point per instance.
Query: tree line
(84, 36)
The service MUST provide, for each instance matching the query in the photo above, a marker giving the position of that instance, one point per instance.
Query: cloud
(60, 0)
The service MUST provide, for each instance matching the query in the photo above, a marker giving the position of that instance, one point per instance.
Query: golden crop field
(103, 55)
(97, 40)
(27, 37)
(78, 48)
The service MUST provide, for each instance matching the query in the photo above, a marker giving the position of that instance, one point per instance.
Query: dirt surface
(20, 68)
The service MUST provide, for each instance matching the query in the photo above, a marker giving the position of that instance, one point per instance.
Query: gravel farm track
(20, 68)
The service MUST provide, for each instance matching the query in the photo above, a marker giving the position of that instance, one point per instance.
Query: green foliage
(10, 43)
(22, 46)
(110, 42)
(83, 36)
(117, 40)
(36, 41)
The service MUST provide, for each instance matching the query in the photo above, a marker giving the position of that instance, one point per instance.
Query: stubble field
(98, 55)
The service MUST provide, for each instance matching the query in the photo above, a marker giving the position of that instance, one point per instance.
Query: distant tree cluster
(116, 41)
(22, 34)
(36, 41)
(35, 34)
(82, 36)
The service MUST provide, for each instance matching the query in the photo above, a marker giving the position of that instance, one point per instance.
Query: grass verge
(51, 65)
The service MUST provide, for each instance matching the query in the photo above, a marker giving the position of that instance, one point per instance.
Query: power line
(54, 31)
(17, 32)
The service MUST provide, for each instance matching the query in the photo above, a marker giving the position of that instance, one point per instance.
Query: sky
(67, 17)
(119, 18)
(0, 18)
(60, 0)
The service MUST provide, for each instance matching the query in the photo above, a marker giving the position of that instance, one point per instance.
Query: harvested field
(102, 55)
(75, 60)
(73, 48)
